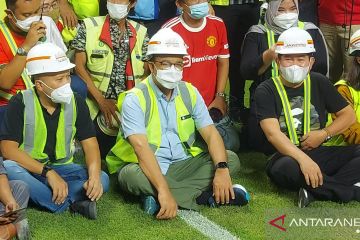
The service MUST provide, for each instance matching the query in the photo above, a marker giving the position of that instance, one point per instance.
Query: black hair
(353, 77)
(10, 4)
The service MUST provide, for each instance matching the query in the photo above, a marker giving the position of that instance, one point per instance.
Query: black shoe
(242, 197)
(305, 198)
(86, 208)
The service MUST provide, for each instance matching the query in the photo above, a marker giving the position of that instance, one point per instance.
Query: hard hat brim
(53, 70)
(297, 51)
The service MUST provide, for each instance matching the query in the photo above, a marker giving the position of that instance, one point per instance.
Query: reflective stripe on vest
(100, 57)
(13, 47)
(34, 142)
(123, 152)
(287, 108)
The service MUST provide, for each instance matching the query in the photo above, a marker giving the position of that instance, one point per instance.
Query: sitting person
(13, 195)
(291, 110)
(109, 52)
(258, 51)
(154, 155)
(349, 88)
(208, 49)
(19, 32)
(37, 138)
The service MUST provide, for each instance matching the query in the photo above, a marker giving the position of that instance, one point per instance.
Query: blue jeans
(40, 192)
(78, 86)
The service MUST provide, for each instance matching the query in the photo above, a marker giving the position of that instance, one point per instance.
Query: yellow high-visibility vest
(123, 153)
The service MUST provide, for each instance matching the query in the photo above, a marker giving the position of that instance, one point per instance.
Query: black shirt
(255, 44)
(13, 124)
(308, 11)
(324, 99)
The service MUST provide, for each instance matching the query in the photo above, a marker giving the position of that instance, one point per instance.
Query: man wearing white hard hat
(38, 133)
(349, 88)
(154, 156)
(292, 112)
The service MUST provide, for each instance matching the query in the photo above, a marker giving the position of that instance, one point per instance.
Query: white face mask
(25, 24)
(62, 94)
(294, 74)
(286, 20)
(169, 78)
(117, 11)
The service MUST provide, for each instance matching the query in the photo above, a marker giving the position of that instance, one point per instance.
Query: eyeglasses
(165, 65)
(50, 6)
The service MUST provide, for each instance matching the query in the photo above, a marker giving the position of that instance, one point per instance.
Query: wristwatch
(221, 165)
(21, 51)
(220, 94)
(45, 170)
(328, 135)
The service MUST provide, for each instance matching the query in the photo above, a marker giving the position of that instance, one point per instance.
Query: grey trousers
(186, 179)
(20, 191)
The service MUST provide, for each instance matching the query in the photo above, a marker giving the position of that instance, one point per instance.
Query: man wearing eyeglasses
(207, 62)
(155, 156)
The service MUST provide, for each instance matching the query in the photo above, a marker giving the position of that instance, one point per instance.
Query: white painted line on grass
(205, 226)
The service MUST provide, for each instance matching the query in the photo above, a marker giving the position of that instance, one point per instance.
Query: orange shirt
(6, 57)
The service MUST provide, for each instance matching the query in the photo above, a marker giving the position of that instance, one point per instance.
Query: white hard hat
(111, 131)
(166, 42)
(295, 41)
(354, 48)
(47, 58)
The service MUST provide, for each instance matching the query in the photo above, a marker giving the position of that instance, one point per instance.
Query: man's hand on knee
(168, 205)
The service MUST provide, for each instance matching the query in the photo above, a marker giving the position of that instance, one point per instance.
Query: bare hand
(313, 139)
(58, 186)
(222, 186)
(37, 30)
(4, 220)
(68, 15)
(168, 206)
(94, 189)
(108, 108)
(312, 173)
(219, 103)
(272, 52)
(12, 206)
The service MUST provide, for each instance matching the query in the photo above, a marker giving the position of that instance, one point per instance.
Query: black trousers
(106, 142)
(238, 18)
(340, 167)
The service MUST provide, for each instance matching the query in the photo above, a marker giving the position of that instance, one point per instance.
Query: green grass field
(120, 217)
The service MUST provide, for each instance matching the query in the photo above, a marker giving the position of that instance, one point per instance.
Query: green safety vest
(85, 8)
(339, 140)
(287, 108)
(100, 68)
(34, 142)
(11, 44)
(123, 153)
(274, 68)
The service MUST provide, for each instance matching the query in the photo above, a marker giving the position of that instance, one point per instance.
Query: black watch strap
(221, 165)
(45, 170)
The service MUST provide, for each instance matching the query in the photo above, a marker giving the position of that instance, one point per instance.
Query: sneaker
(305, 198)
(23, 230)
(242, 197)
(150, 205)
(86, 208)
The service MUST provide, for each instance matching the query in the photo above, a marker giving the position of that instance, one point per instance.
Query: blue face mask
(199, 10)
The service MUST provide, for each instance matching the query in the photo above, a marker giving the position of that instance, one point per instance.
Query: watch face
(222, 165)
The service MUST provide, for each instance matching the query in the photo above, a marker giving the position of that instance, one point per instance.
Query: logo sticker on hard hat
(211, 41)
(101, 44)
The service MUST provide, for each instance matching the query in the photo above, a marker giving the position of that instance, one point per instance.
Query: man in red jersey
(207, 65)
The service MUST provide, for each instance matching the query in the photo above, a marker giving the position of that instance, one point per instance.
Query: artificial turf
(120, 217)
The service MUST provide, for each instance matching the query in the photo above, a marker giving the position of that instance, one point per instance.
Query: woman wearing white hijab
(258, 51)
